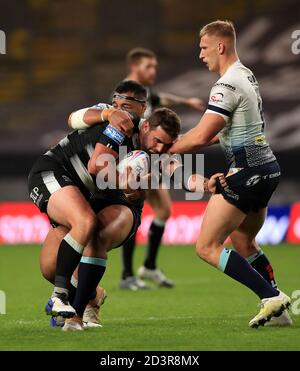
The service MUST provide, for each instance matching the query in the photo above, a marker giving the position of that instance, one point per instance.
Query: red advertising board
(293, 234)
(182, 227)
(21, 222)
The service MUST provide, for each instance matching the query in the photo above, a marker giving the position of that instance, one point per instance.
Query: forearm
(167, 99)
(86, 117)
(202, 135)
(189, 142)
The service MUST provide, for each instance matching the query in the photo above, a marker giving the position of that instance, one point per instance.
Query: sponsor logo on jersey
(252, 79)
(217, 97)
(34, 194)
(231, 194)
(253, 180)
(114, 134)
(275, 175)
(228, 86)
(261, 139)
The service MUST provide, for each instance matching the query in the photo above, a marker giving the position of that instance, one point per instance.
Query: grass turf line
(205, 311)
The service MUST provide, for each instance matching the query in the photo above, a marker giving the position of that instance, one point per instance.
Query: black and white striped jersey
(74, 151)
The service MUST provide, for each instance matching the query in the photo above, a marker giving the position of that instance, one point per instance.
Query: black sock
(73, 289)
(155, 234)
(127, 258)
(68, 257)
(235, 266)
(90, 272)
(262, 265)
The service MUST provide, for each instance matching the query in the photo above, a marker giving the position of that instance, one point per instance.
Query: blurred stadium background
(63, 55)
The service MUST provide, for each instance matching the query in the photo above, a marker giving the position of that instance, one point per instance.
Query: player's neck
(132, 77)
(227, 63)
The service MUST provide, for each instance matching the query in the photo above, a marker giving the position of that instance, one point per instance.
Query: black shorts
(46, 177)
(250, 189)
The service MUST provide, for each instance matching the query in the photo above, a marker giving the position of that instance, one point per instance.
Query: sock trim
(73, 243)
(74, 282)
(159, 222)
(223, 259)
(94, 261)
(253, 257)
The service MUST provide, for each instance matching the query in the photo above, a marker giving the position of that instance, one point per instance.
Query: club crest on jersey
(114, 134)
(253, 180)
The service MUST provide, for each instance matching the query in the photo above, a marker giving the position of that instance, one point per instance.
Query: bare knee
(84, 227)
(98, 247)
(162, 213)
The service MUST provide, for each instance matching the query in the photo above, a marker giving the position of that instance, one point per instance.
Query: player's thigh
(48, 254)
(221, 218)
(68, 206)
(160, 201)
(243, 239)
(115, 225)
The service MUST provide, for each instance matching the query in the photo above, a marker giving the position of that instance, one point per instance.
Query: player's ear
(146, 126)
(221, 48)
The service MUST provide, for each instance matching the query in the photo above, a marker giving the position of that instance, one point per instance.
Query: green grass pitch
(205, 311)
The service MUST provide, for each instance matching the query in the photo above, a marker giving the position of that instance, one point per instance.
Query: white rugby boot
(73, 324)
(59, 305)
(283, 320)
(133, 283)
(270, 307)
(91, 315)
(155, 275)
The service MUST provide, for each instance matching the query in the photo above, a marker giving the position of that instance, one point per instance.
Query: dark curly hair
(167, 120)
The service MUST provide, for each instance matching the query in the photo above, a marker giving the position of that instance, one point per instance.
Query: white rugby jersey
(235, 96)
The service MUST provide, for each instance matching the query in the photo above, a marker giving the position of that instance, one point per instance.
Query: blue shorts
(250, 189)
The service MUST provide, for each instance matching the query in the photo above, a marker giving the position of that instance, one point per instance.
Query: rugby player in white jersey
(234, 119)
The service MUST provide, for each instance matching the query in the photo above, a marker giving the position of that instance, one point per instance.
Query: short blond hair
(219, 28)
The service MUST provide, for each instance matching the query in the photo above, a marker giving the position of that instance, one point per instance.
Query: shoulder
(229, 81)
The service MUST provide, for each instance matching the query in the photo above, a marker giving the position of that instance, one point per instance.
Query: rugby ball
(138, 161)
